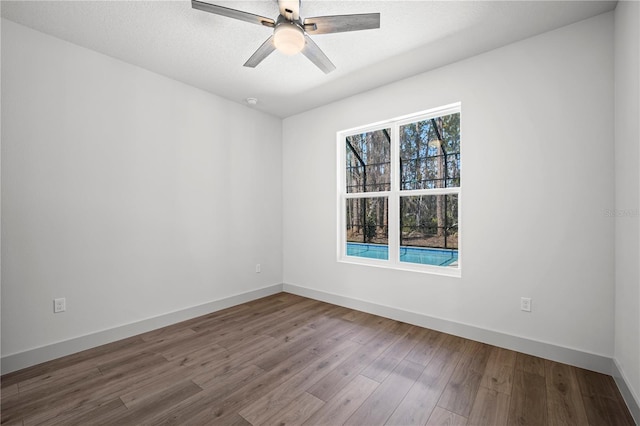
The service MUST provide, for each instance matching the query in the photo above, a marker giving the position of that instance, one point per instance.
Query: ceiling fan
(291, 33)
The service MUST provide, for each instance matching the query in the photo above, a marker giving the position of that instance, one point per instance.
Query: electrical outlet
(525, 304)
(258, 268)
(59, 305)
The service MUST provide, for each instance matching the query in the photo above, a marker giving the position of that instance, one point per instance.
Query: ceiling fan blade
(317, 56)
(290, 9)
(233, 13)
(263, 51)
(342, 23)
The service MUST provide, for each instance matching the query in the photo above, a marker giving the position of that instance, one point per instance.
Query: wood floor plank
(8, 391)
(442, 417)
(14, 423)
(296, 341)
(357, 316)
(42, 399)
(528, 400)
(489, 408)
(498, 374)
(341, 334)
(138, 393)
(296, 412)
(606, 411)
(231, 332)
(106, 413)
(193, 344)
(235, 420)
(228, 380)
(203, 356)
(174, 343)
(42, 388)
(246, 319)
(317, 312)
(592, 383)
(342, 405)
(382, 366)
(264, 322)
(230, 314)
(46, 402)
(425, 347)
(333, 382)
(77, 399)
(131, 363)
(564, 401)
(91, 357)
(62, 377)
(262, 409)
(370, 327)
(285, 297)
(602, 399)
(255, 389)
(254, 344)
(453, 344)
(286, 359)
(418, 404)
(168, 334)
(530, 364)
(161, 402)
(209, 373)
(386, 398)
(460, 393)
(226, 384)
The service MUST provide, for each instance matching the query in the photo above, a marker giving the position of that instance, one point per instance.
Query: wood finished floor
(288, 360)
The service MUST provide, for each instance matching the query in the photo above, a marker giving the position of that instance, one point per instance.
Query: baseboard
(589, 361)
(42, 354)
(632, 400)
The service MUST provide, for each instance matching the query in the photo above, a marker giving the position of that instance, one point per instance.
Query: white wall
(129, 194)
(627, 194)
(537, 162)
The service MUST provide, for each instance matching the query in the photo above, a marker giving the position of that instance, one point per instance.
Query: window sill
(403, 266)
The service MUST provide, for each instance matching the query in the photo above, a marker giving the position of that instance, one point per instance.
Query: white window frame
(394, 194)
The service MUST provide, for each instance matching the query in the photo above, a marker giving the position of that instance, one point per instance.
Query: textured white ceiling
(208, 51)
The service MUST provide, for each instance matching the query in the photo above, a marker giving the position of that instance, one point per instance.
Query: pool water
(423, 256)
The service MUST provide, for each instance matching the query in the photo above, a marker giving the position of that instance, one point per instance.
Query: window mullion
(367, 194)
(432, 191)
(394, 201)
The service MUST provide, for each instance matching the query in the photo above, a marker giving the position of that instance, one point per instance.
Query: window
(399, 190)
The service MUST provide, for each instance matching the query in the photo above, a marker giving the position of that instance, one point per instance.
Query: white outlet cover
(59, 305)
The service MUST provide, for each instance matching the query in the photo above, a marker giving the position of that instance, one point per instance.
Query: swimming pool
(423, 256)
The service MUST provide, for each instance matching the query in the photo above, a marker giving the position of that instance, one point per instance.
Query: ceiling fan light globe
(288, 38)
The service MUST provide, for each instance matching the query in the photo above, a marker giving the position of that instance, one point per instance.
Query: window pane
(429, 229)
(367, 227)
(430, 153)
(369, 161)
